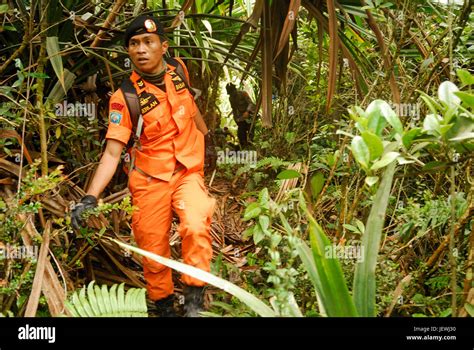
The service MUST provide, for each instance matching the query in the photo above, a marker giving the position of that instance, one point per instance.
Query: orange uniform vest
(169, 132)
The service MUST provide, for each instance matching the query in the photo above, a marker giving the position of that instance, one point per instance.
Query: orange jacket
(169, 131)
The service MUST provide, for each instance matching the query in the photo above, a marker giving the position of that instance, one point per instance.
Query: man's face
(146, 52)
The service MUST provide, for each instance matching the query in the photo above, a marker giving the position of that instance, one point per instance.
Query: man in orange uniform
(168, 172)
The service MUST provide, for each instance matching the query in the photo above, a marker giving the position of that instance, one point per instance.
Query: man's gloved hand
(210, 152)
(87, 202)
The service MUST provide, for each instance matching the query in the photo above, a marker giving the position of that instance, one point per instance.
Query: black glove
(210, 152)
(87, 202)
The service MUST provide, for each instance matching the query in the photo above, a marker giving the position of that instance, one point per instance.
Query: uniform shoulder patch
(115, 117)
(117, 106)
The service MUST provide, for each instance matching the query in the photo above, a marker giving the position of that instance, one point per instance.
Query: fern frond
(102, 302)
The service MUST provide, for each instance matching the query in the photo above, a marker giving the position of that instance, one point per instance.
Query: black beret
(141, 25)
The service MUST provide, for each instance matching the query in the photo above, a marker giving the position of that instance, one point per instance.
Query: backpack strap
(133, 105)
(178, 64)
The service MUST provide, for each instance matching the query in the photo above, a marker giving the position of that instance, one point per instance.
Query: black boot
(193, 301)
(165, 307)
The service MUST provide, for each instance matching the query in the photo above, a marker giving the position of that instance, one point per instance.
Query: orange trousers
(187, 195)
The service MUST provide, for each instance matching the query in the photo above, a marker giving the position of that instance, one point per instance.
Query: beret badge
(150, 26)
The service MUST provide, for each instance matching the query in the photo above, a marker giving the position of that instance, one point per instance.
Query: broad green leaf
(317, 183)
(251, 301)
(432, 124)
(264, 222)
(403, 160)
(469, 309)
(386, 160)
(463, 136)
(52, 47)
(375, 120)
(264, 198)
(434, 165)
(325, 272)
(360, 226)
(465, 77)
(409, 136)
(374, 143)
(258, 234)
(360, 150)
(446, 93)
(390, 116)
(465, 97)
(351, 228)
(371, 180)
(288, 174)
(252, 211)
(4, 8)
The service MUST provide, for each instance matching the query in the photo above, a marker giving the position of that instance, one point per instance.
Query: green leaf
(360, 226)
(371, 180)
(465, 97)
(432, 124)
(374, 143)
(264, 222)
(469, 309)
(258, 234)
(113, 299)
(288, 174)
(446, 93)
(4, 8)
(351, 228)
(92, 298)
(390, 116)
(252, 211)
(466, 135)
(325, 272)
(434, 165)
(264, 198)
(85, 303)
(52, 46)
(433, 106)
(361, 152)
(386, 160)
(375, 120)
(465, 77)
(364, 277)
(106, 299)
(409, 136)
(317, 183)
(446, 312)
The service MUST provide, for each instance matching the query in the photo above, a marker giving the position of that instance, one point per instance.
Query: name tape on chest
(147, 102)
(177, 81)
